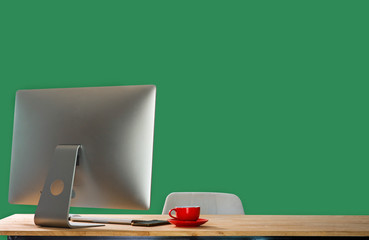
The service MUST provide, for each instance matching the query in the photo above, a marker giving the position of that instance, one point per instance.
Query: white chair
(209, 202)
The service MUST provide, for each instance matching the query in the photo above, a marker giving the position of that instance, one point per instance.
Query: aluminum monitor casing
(113, 125)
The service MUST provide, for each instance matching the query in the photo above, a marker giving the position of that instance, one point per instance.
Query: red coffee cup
(186, 213)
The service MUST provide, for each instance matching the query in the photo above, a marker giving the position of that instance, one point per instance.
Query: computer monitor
(82, 147)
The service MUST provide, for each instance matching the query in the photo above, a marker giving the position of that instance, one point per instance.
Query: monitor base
(54, 204)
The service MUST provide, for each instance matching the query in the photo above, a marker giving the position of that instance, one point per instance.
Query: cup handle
(170, 213)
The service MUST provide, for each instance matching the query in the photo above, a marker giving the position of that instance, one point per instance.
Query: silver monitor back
(113, 125)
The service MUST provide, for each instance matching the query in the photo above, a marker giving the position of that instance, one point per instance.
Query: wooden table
(232, 226)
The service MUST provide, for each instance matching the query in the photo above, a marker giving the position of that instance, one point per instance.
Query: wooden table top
(218, 225)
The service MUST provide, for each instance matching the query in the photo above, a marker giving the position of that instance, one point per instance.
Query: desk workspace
(95, 150)
(217, 226)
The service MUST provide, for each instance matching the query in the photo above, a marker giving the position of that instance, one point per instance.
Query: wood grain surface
(218, 225)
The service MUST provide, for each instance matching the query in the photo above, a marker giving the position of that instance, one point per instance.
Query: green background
(264, 99)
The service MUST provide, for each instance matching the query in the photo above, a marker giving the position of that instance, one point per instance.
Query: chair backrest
(210, 203)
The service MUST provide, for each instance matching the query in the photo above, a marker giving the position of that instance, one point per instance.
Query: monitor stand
(53, 206)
